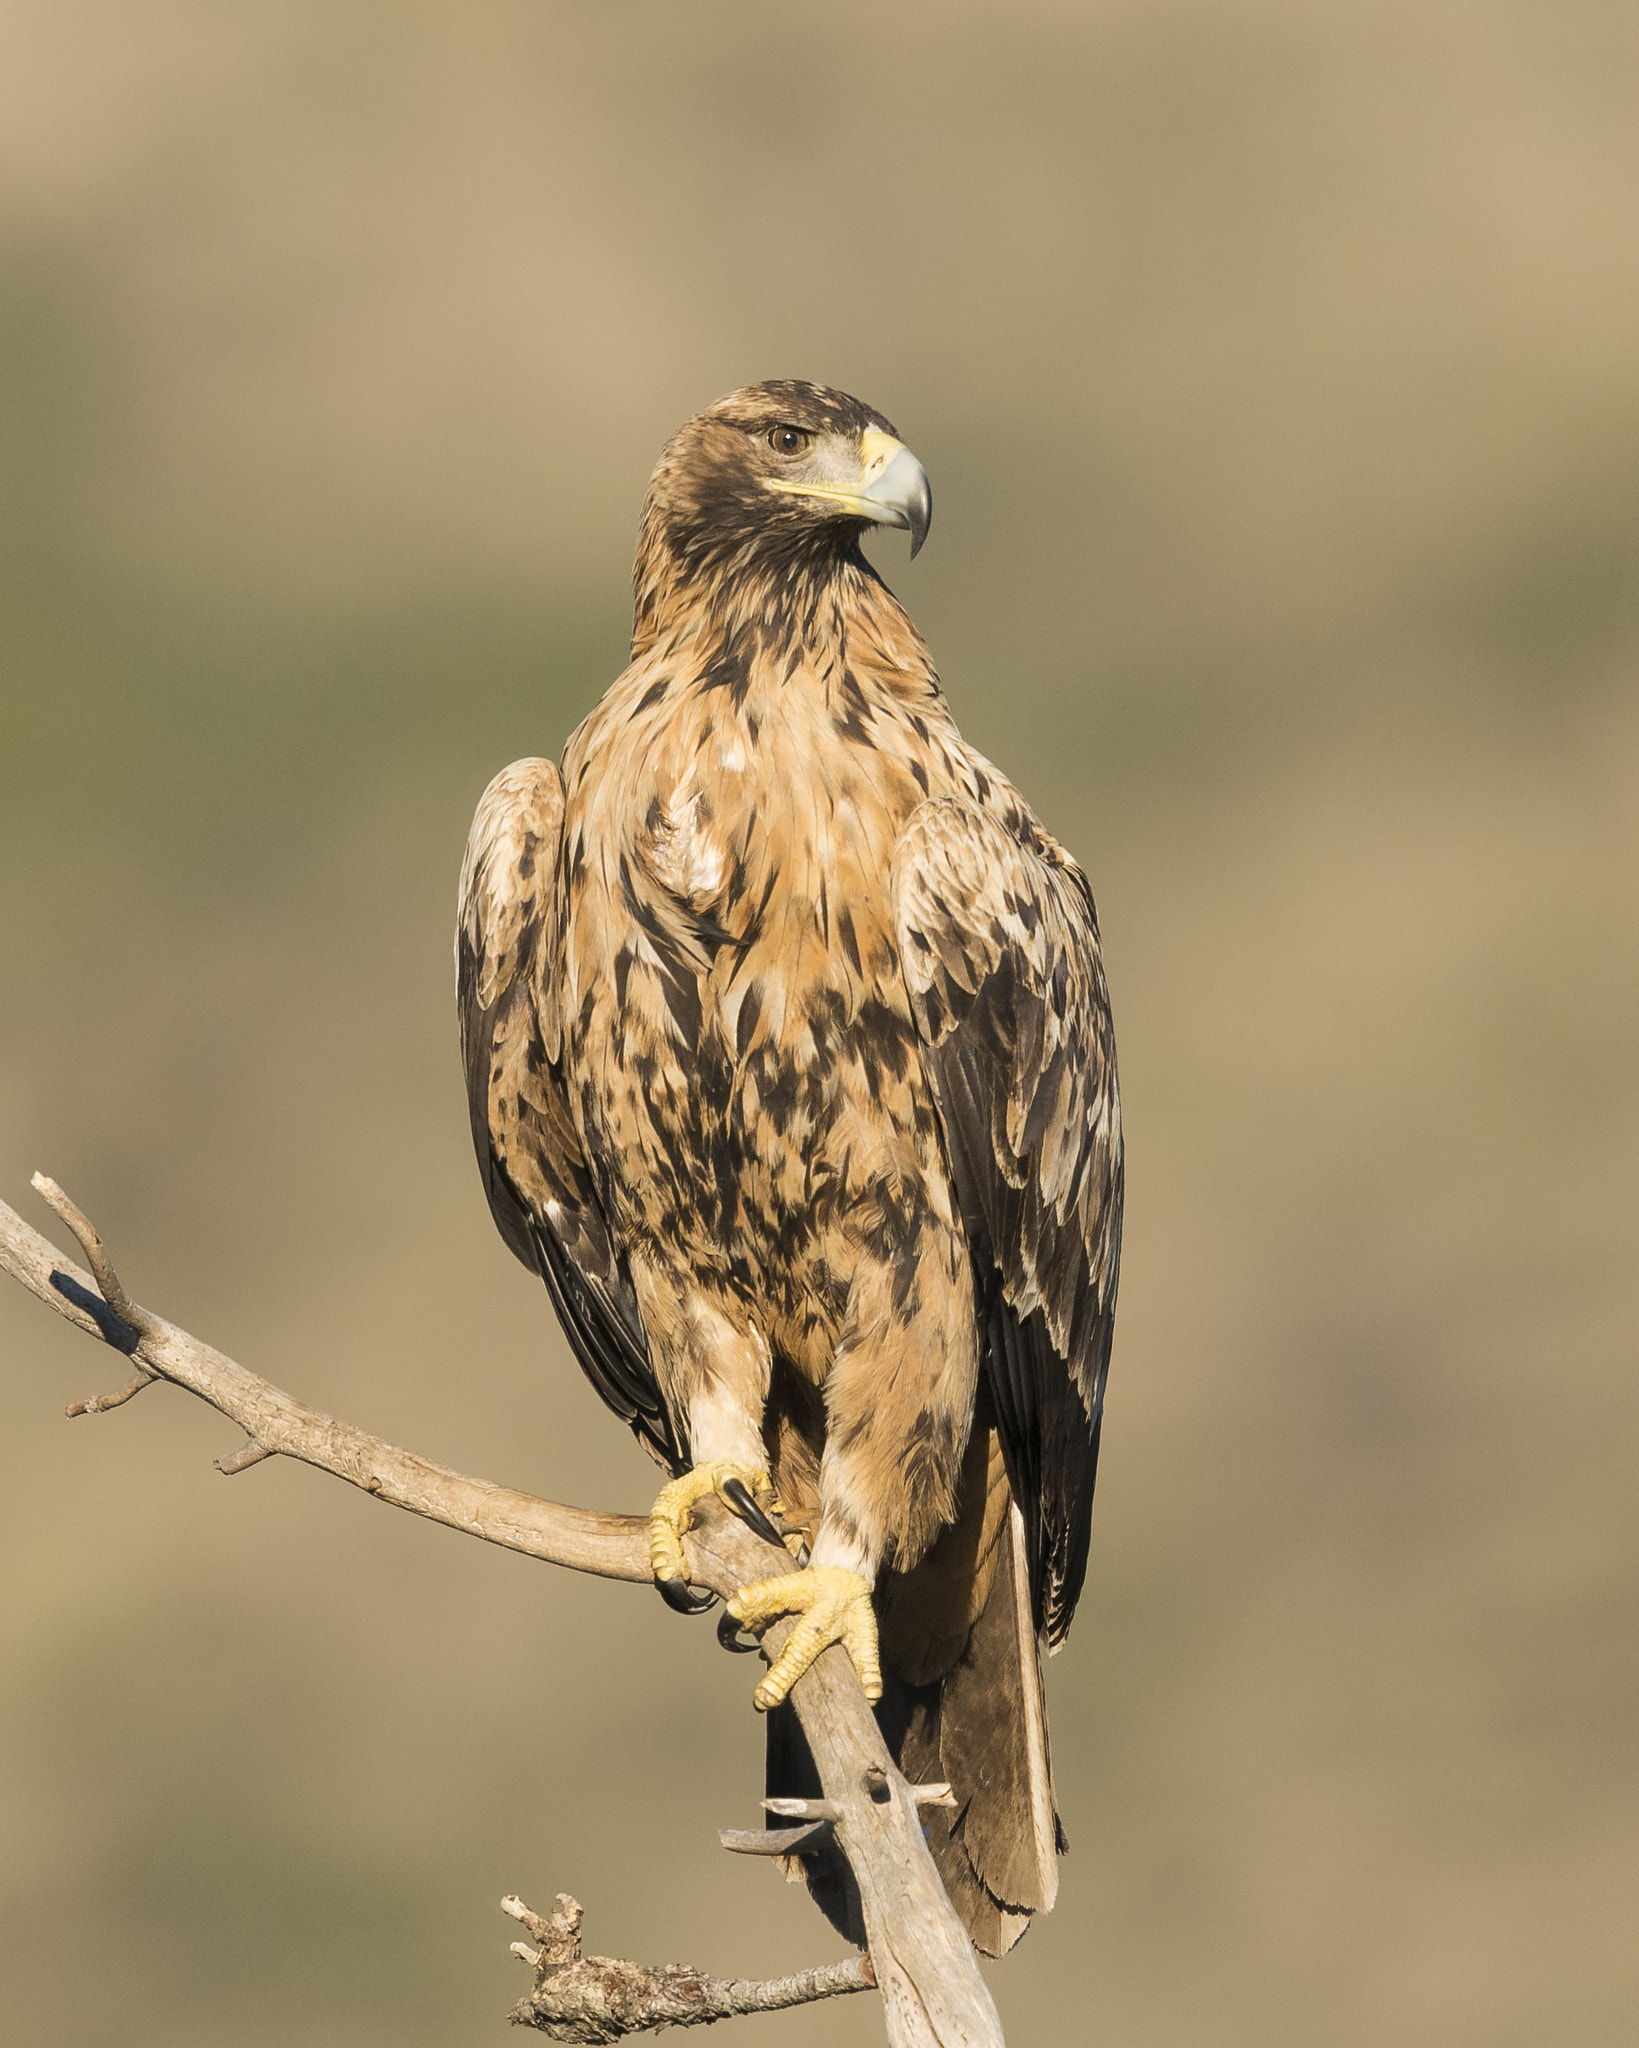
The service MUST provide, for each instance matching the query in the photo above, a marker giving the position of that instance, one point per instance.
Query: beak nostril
(876, 451)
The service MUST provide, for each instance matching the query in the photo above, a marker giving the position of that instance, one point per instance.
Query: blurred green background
(1277, 368)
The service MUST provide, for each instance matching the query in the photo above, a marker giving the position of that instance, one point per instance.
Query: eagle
(791, 1073)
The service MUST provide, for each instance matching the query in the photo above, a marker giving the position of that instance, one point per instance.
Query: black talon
(681, 1597)
(728, 1634)
(738, 1496)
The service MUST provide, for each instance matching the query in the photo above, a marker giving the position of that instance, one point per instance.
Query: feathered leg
(899, 1405)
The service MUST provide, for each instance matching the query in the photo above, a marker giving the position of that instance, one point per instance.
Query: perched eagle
(791, 1072)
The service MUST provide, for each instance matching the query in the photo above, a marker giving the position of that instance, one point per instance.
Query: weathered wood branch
(933, 1993)
(597, 1999)
(613, 1546)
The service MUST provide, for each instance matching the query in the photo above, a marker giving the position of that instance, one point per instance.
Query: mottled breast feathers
(998, 945)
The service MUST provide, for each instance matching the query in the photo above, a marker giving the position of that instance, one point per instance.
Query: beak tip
(921, 519)
(918, 510)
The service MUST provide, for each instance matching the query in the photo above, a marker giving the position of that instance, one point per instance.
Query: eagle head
(782, 474)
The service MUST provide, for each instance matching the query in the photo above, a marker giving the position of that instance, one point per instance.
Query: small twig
(598, 1999)
(134, 1318)
(241, 1460)
(797, 1841)
(559, 1937)
(99, 1404)
(803, 1809)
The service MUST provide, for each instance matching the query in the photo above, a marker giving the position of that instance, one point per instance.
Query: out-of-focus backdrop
(1277, 369)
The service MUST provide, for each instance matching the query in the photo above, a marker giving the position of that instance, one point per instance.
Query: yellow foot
(673, 1511)
(835, 1606)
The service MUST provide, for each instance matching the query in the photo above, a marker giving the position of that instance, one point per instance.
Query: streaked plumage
(791, 1070)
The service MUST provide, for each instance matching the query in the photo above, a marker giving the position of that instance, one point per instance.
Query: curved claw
(681, 1597)
(730, 1638)
(738, 1495)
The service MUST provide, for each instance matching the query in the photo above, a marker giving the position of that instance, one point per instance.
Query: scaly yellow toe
(834, 1606)
(674, 1506)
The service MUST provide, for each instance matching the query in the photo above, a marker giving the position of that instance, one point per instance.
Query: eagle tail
(982, 1729)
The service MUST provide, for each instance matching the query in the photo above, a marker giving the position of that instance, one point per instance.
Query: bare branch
(596, 1999)
(613, 1546)
(933, 1993)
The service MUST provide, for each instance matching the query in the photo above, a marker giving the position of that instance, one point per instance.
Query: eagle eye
(789, 440)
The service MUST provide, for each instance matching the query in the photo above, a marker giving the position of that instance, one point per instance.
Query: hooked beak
(893, 488)
(900, 491)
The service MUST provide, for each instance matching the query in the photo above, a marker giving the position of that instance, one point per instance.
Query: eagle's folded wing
(999, 947)
(529, 1152)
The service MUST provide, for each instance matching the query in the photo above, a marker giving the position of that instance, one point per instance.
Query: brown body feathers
(791, 1070)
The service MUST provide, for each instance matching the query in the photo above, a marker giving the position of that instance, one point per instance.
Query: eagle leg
(835, 1606)
(673, 1511)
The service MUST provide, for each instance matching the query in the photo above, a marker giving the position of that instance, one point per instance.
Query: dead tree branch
(612, 1546)
(924, 1964)
(596, 1999)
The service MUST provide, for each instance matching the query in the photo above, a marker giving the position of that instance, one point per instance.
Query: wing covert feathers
(529, 1153)
(999, 947)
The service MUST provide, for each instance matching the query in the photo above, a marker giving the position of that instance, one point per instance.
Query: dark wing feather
(999, 946)
(529, 1152)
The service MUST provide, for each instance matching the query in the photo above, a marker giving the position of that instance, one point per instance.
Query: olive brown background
(1277, 368)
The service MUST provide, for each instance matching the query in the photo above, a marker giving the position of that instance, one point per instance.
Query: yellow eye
(789, 440)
